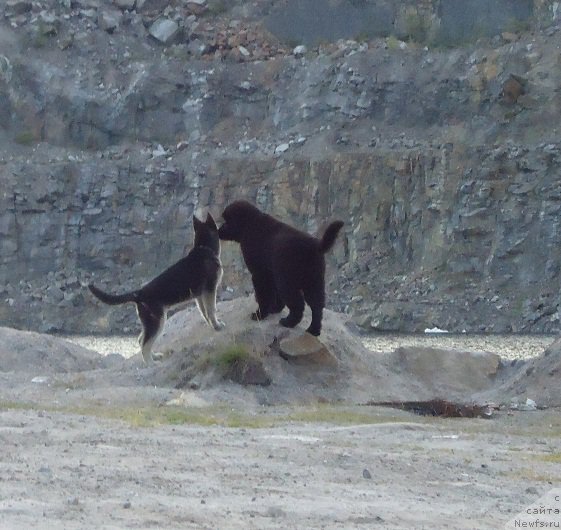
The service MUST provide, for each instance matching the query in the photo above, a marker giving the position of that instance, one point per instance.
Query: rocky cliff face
(119, 120)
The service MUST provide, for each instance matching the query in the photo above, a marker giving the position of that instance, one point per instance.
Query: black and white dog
(197, 275)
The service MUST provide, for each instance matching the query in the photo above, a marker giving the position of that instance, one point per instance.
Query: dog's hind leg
(277, 303)
(294, 300)
(315, 298)
(314, 295)
(202, 309)
(315, 325)
(153, 320)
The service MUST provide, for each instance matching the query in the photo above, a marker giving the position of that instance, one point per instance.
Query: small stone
(127, 505)
(159, 151)
(509, 36)
(282, 148)
(364, 102)
(299, 50)
(306, 349)
(109, 20)
(275, 511)
(197, 7)
(366, 474)
(512, 89)
(125, 4)
(19, 7)
(164, 30)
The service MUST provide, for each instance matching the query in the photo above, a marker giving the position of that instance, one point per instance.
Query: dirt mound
(249, 364)
(536, 379)
(25, 351)
(277, 365)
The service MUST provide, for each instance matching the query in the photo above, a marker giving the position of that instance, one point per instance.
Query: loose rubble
(124, 118)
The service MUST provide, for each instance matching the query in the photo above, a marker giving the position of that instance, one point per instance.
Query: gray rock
(109, 20)
(306, 349)
(125, 4)
(164, 30)
(19, 7)
(441, 212)
(152, 5)
(197, 7)
(282, 148)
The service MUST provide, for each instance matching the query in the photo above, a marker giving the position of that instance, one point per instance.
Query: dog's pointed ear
(210, 221)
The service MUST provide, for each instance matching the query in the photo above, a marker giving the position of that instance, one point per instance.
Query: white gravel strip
(507, 346)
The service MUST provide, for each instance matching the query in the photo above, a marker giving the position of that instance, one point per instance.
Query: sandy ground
(400, 471)
(99, 446)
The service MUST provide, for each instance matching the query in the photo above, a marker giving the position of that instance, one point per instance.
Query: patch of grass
(393, 43)
(226, 417)
(417, 27)
(337, 415)
(223, 359)
(143, 417)
(550, 458)
(233, 354)
(42, 34)
(516, 25)
(533, 476)
(154, 416)
(362, 37)
(170, 415)
(14, 405)
(74, 383)
(554, 432)
(25, 138)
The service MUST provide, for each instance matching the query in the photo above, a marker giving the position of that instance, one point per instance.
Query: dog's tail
(113, 299)
(329, 236)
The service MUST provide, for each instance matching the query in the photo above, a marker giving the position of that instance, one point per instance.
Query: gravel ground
(396, 471)
(507, 346)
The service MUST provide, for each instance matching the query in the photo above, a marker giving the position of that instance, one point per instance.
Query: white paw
(219, 325)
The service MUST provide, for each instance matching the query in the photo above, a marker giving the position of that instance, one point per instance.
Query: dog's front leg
(265, 292)
(208, 302)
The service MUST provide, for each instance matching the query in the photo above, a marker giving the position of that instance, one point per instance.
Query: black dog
(287, 266)
(197, 275)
